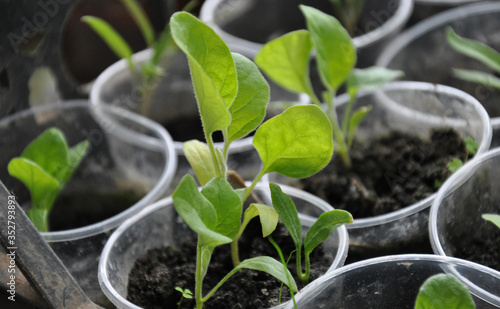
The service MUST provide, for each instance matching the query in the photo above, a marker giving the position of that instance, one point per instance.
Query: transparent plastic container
(159, 225)
(246, 25)
(414, 108)
(393, 282)
(118, 177)
(423, 53)
(455, 220)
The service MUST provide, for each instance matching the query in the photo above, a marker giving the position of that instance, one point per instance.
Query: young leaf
(227, 205)
(471, 146)
(270, 266)
(112, 38)
(493, 218)
(323, 227)
(454, 165)
(474, 49)
(198, 156)
(297, 143)
(198, 213)
(371, 78)
(249, 107)
(141, 19)
(288, 214)
(75, 157)
(212, 69)
(444, 291)
(356, 119)
(50, 152)
(268, 217)
(286, 61)
(477, 77)
(335, 53)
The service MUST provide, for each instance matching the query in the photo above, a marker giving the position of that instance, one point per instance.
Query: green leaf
(297, 143)
(198, 213)
(286, 61)
(40, 184)
(212, 69)
(356, 119)
(444, 291)
(471, 145)
(198, 156)
(454, 165)
(141, 19)
(268, 217)
(477, 77)
(227, 205)
(75, 157)
(270, 266)
(493, 218)
(474, 49)
(249, 107)
(163, 44)
(371, 78)
(324, 226)
(49, 151)
(288, 214)
(109, 35)
(335, 53)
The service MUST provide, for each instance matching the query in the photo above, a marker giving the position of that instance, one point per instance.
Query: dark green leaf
(141, 19)
(324, 226)
(270, 266)
(288, 214)
(356, 119)
(444, 291)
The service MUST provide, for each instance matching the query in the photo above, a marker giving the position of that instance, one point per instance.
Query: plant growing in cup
(232, 97)
(44, 167)
(348, 13)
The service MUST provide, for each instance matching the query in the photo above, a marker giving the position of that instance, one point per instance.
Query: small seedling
(480, 52)
(185, 293)
(286, 61)
(163, 47)
(44, 167)
(348, 12)
(444, 291)
(232, 97)
(493, 218)
(471, 147)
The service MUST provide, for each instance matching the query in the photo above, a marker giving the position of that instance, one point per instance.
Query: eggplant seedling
(44, 167)
(471, 147)
(493, 218)
(444, 291)
(286, 61)
(232, 96)
(348, 12)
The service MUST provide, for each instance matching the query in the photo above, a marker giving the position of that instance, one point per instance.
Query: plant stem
(338, 135)
(215, 160)
(198, 279)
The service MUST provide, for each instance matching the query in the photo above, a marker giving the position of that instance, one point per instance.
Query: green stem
(198, 279)
(225, 151)
(207, 297)
(304, 277)
(215, 160)
(338, 135)
(254, 183)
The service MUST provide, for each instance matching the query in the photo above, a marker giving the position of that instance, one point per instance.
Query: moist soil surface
(155, 276)
(388, 174)
(485, 251)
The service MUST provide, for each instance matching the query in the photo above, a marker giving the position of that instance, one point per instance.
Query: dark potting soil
(76, 210)
(485, 251)
(387, 174)
(154, 277)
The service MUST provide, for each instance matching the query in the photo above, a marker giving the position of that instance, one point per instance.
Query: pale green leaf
(335, 53)
(474, 49)
(493, 218)
(471, 145)
(454, 165)
(109, 35)
(371, 78)
(49, 151)
(477, 77)
(40, 184)
(288, 214)
(200, 160)
(197, 212)
(268, 217)
(75, 157)
(249, 107)
(286, 61)
(356, 119)
(227, 205)
(270, 266)
(324, 226)
(212, 69)
(297, 143)
(444, 291)
(141, 19)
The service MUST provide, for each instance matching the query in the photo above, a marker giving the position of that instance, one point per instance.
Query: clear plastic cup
(118, 177)
(246, 25)
(455, 220)
(414, 108)
(423, 53)
(159, 225)
(393, 282)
